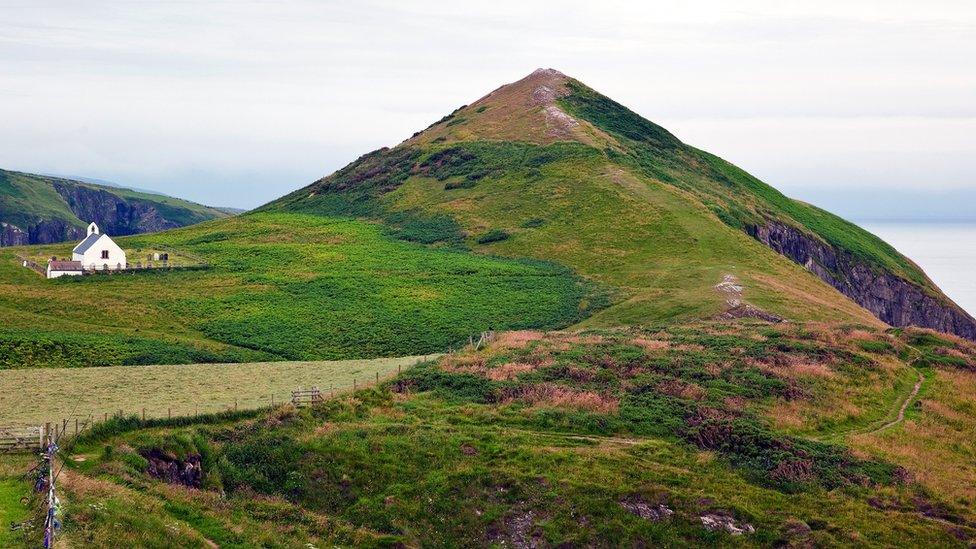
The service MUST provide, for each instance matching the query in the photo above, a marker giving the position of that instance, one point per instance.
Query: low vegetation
(637, 435)
(17, 520)
(659, 251)
(281, 287)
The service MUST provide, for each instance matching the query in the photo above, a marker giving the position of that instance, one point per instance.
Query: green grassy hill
(542, 205)
(36, 209)
(279, 287)
(548, 168)
(674, 410)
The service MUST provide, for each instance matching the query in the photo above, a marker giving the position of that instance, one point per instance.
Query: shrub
(465, 183)
(454, 385)
(873, 346)
(494, 235)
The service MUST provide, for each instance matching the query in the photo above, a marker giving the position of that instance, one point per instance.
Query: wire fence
(49, 438)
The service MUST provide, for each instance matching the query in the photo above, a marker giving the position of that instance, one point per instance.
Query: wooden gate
(21, 439)
(306, 397)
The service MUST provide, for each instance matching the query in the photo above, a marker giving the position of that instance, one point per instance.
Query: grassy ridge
(632, 208)
(26, 199)
(280, 286)
(738, 198)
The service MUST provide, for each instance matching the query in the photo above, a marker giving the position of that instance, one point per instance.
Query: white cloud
(238, 102)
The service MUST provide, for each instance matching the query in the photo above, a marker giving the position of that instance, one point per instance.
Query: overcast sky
(235, 103)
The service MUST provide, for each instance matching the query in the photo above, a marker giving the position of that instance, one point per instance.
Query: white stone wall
(56, 274)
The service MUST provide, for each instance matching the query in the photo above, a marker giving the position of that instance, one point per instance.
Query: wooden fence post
(76, 426)
(144, 414)
(235, 404)
(47, 433)
(353, 384)
(169, 413)
(377, 378)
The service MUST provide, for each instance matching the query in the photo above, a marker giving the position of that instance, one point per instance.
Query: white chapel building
(97, 251)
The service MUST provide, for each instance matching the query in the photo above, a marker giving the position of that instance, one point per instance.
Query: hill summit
(548, 168)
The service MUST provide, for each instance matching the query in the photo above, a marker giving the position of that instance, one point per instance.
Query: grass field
(280, 287)
(12, 489)
(552, 438)
(35, 396)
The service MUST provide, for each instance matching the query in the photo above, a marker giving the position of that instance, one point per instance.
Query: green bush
(494, 235)
(881, 347)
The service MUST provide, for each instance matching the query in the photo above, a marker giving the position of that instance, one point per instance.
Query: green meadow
(279, 287)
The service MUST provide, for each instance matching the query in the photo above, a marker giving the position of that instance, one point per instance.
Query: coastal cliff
(36, 209)
(889, 297)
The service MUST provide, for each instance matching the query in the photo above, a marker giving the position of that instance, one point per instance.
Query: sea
(945, 251)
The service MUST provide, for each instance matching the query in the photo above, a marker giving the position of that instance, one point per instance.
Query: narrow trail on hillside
(884, 424)
(904, 405)
(909, 399)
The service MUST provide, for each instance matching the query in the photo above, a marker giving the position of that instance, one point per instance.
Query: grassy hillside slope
(27, 200)
(548, 168)
(661, 250)
(595, 438)
(280, 286)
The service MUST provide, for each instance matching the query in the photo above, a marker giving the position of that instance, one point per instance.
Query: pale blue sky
(235, 103)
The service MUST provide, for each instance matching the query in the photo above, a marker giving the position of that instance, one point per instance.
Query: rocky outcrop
(54, 230)
(115, 215)
(170, 469)
(889, 297)
(42, 232)
(12, 235)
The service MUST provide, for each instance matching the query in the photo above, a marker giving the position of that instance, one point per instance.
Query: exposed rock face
(12, 235)
(169, 469)
(724, 521)
(54, 230)
(891, 298)
(113, 214)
